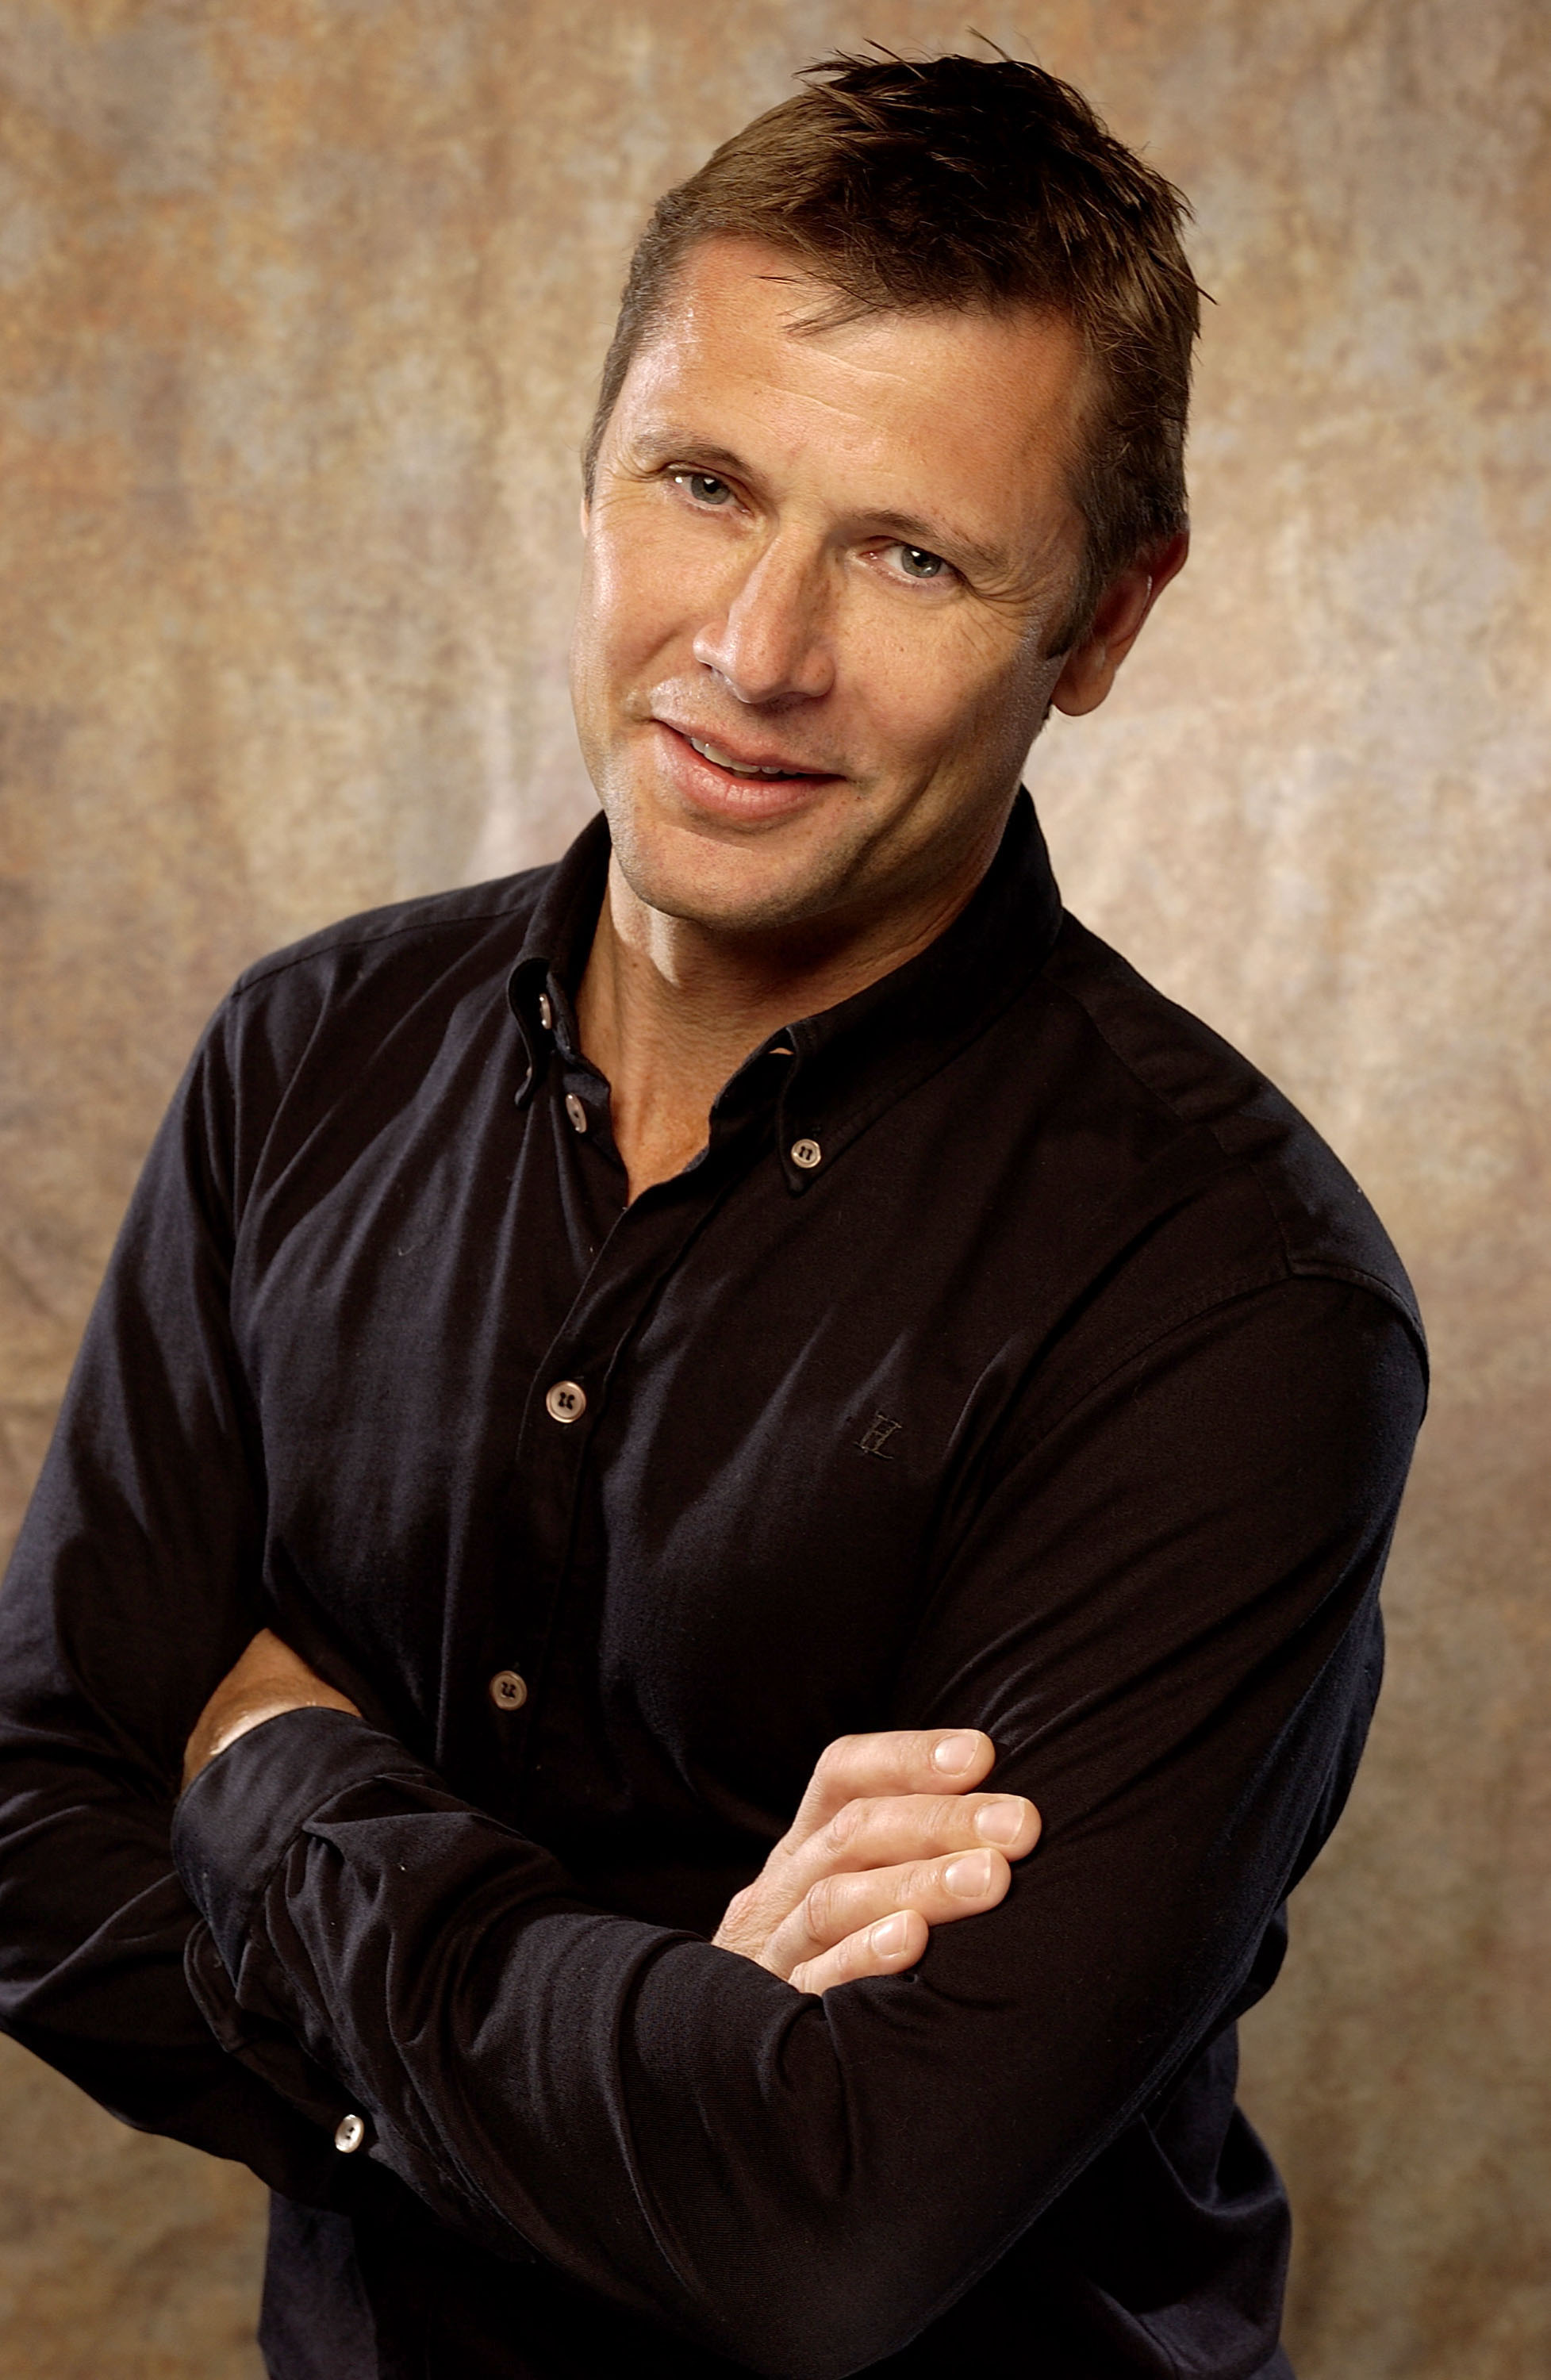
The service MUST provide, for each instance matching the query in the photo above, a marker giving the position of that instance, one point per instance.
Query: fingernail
(887, 1936)
(999, 1822)
(970, 1876)
(954, 1754)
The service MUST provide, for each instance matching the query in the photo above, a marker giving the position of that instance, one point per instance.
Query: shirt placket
(580, 1376)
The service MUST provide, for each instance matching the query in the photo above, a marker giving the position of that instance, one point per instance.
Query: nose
(772, 642)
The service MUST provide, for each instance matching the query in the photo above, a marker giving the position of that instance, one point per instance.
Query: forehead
(746, 348)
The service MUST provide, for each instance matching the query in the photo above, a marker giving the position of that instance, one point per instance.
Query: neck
(668, 1010)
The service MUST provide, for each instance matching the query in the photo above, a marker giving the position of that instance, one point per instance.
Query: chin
(741, 905)
(729, 886)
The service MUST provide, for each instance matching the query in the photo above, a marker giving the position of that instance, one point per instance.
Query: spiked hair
(965, 183)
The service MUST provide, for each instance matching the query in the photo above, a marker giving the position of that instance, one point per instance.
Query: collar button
(807, 1154)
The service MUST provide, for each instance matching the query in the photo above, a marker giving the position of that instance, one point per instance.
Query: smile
(723, 760)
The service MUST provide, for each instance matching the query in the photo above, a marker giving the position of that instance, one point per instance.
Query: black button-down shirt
(1011, 1356)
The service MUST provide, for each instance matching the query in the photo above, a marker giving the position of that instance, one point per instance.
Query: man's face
(835, 554)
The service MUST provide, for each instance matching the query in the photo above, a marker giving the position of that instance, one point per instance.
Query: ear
(1089, 669)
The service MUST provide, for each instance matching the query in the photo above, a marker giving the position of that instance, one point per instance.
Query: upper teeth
(710, 752)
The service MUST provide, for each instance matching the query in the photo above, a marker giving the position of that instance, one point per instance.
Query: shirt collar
(541, 986)
(851, 1061)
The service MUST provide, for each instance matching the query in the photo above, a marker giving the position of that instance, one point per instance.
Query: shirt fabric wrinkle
(1068, 1392)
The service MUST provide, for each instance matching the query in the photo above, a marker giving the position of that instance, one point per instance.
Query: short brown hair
(965, 182)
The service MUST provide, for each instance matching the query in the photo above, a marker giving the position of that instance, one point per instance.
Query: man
(587, 1344)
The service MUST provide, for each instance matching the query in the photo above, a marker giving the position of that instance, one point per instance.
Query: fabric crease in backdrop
(302, 306)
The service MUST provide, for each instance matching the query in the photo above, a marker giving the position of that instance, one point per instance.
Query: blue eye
(916, 563)
(704, 486)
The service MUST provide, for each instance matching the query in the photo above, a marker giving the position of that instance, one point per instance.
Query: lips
(750, 788)
(725, 759)
(765, 763)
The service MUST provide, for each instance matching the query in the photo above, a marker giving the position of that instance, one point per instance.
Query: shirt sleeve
(128, 1597)
(1160, 1606)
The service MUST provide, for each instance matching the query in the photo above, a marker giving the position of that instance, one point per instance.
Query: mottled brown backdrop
(301, 303)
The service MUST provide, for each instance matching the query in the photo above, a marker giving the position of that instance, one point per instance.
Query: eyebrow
(665, 439)
(927, 538)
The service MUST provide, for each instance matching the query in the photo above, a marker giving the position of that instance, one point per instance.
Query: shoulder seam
(1235, 1162)
(280, 963)
(1230, 1291)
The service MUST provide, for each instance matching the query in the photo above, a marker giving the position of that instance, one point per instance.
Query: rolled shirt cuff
(235, 1824)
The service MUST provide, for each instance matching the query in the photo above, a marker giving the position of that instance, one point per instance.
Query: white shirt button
(576, 1112)
(546, 1012)
(508, 1690)
(805, 1153)
(566, 1400)
(350, 2135)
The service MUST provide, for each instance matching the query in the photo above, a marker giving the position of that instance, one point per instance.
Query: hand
(891, 1841)
(268, 1680)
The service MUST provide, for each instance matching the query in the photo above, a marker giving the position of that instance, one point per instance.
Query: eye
(914, 562)
(704, 487)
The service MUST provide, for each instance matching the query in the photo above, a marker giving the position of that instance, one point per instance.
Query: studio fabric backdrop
(303, 307)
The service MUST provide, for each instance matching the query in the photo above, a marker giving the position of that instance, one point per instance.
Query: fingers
(887, 1948)
(961, 1884)
(890, 1805)
(904, 1826)
(901, 1760)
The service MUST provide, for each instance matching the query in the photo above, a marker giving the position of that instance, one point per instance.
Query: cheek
(941, 691)
(1007, 685)
(632, 592)
(588, 645)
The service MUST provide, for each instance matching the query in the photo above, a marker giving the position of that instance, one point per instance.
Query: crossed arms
(798, 2177)
(890, 1839)
(1158, 1609)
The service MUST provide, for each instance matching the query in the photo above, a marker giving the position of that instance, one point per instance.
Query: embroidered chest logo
(874, 1438)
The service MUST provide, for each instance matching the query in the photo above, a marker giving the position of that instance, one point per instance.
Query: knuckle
(845, 1825)
(818, 1907)
(835, 1755)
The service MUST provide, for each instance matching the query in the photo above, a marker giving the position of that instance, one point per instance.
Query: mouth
(751, 788)
(720, 759)
(767, 766)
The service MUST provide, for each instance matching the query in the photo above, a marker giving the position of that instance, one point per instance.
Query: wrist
(219, 1730)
